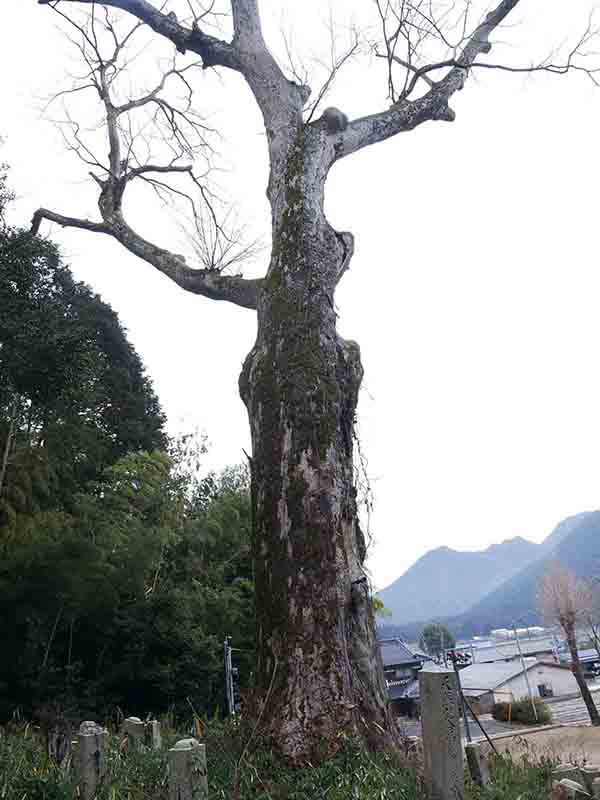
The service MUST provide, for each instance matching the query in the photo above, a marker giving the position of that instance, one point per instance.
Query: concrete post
(596, 787)
(58, 742)
(590, 773)
(133, 729)
(478, 766)
(567, 771)
(187, 771)
(153, 738)
(442, 749)
(91, 763)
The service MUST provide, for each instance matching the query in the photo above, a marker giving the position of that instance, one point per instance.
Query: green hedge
(522, 711)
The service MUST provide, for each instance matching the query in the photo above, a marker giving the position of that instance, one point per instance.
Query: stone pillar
(153, 738)
(567, 771)
(590, 773)
(596, 787)
(58, 743)
(442, 747)
(133, 729)
(478, 766)
(187, 771)
(91, 763)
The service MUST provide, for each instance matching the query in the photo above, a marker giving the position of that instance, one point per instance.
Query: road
(564, 712)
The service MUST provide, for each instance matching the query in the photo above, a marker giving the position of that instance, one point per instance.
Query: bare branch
(132, 156)
(65, 222)
(406, 114)
(247, 53)
(336, 64)
(213, 51)
(233, 288)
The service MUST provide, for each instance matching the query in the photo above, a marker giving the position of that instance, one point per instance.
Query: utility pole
(535, 714)
(461, 698)
(228, 676)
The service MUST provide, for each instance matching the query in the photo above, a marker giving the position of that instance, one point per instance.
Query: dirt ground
(570, 744)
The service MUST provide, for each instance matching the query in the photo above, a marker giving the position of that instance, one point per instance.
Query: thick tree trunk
(318, 665)
(578, 673)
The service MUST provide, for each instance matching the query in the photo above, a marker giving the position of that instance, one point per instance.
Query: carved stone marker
(478, 766)
(153, 738)
(442, 750)
(568, 771)
(91, 763)
(134, 729)
(187, 771)
(590, 773)
(58, 743)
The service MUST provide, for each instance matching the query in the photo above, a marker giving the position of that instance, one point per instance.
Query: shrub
(521, 711)
(500, 712)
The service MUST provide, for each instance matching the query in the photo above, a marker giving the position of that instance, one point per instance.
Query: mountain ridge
(575, 542)
(429, 587)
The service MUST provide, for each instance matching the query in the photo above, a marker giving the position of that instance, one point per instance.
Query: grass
(516, 778)
(27, 774)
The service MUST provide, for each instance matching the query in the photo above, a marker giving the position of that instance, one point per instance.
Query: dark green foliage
(73, 393)
(26, 771)
(522, 711)
(435, 638)
(120, 571)
(126, 603)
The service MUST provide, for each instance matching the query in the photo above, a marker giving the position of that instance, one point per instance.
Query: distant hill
(575, 543)
(447, 582)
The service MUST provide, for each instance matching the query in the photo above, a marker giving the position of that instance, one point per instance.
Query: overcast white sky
(474, 291)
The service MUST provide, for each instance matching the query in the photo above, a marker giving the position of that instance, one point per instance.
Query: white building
(486, 684)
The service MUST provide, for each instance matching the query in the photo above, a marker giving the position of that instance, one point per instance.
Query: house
(486, 684)
(590, 660)
(400, 667)
(541, 648)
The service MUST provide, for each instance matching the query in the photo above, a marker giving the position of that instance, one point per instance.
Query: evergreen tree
(73, 393)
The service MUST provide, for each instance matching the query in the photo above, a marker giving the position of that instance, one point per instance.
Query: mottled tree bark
(318, 665)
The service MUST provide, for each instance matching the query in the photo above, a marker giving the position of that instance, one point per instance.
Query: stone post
(58, 743)
(134, 729)
(478, 766)
(153, 738)
(91, 763)
(442, 747)
(187, 771)
(596, 787)
(590, 773)
(567, 771)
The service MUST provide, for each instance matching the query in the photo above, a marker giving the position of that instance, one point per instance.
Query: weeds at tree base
(354, 774)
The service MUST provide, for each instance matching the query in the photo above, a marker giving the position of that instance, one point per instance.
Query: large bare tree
(319, 671)
(567, 600)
